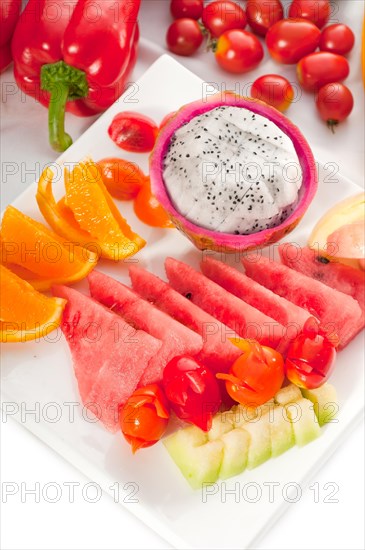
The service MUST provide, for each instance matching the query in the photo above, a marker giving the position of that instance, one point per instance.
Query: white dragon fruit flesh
(230, 170)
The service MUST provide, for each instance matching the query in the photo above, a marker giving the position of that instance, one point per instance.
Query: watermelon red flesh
(218, 353)
(337, 312)
(343, 278)
(176, 338)
(286, 313)
(108, 365)
(244, 319)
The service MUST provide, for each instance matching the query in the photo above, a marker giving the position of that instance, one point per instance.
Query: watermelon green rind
(337, 312)
(108, 366)
(176, 338)
(245, 320)
(207, 239)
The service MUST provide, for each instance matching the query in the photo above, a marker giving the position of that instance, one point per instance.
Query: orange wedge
(25, 314)
(88, 213)
(33, 247)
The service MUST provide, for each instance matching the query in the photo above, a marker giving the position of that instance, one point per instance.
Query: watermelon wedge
(338, 313)
(218, 353)
(176, 338)
(244, 319)
(343, 278)
(286, 313)
(108, 364)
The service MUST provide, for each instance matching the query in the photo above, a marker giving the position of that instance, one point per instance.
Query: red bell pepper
(75, 55)
(9, 13)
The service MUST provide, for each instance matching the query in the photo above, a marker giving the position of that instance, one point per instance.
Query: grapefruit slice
(25, 314)
(176, 338)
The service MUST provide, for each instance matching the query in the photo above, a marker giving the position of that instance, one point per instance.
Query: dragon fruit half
(232, 173)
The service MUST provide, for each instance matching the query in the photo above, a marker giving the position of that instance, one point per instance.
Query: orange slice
(25, 314)
(31, 245)
(88, 213)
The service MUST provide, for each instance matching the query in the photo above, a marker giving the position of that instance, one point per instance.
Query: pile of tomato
(191, 391)
(292, 40)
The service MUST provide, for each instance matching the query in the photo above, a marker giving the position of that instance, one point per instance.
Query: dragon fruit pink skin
(208, 239)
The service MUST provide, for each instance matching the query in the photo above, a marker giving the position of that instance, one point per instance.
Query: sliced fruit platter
(181, 330)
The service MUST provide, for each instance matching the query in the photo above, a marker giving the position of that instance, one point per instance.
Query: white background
(82, 525)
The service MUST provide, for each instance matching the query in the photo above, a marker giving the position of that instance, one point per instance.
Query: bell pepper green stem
(58, 138)
(64, 83)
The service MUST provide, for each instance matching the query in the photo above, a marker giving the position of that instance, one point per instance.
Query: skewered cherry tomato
(133, 132)
(192, 390)
(274, 90)
(317, 11)
(184, 36)
(123, 179)
(186, 8)
(337, 38)
(334, 103)
(149, 210)
(320, 68)
(262, 14)
(310, 358)
(291, 39)
(256, 376)
(144, 417)
(238, 51)
(221, 16)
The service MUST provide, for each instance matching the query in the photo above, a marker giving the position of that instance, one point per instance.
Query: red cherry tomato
(274, 90)
(186, 8)
(262, 14)
(144, 417)
(317, 11)
(192, 390)
(133, 132)
(320, 68)
(238, 51)
(219, 17)
(123, 179)
(149, 210)
(291, 39)
(184, 37)
(256, 376)
(337, 38)
(310, 358)
(334, 103)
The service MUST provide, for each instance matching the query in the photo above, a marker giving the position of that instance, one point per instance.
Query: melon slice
(107, 369)
(198, 459)
(235, 452)
(325, 402)
(304, 421)
(244, 319)
(260, 442)
(286, 395)
(286, 313)
(336, 275)
(337, 312)
(281, 431)
(218, 353)
(176, 338)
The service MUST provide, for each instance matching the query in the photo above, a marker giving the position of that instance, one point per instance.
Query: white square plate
(39, 375)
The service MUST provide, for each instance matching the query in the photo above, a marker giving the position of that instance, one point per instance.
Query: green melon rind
(260, 447)
(304, 421)
(235, 453)
(325, 402)
(281, 431)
